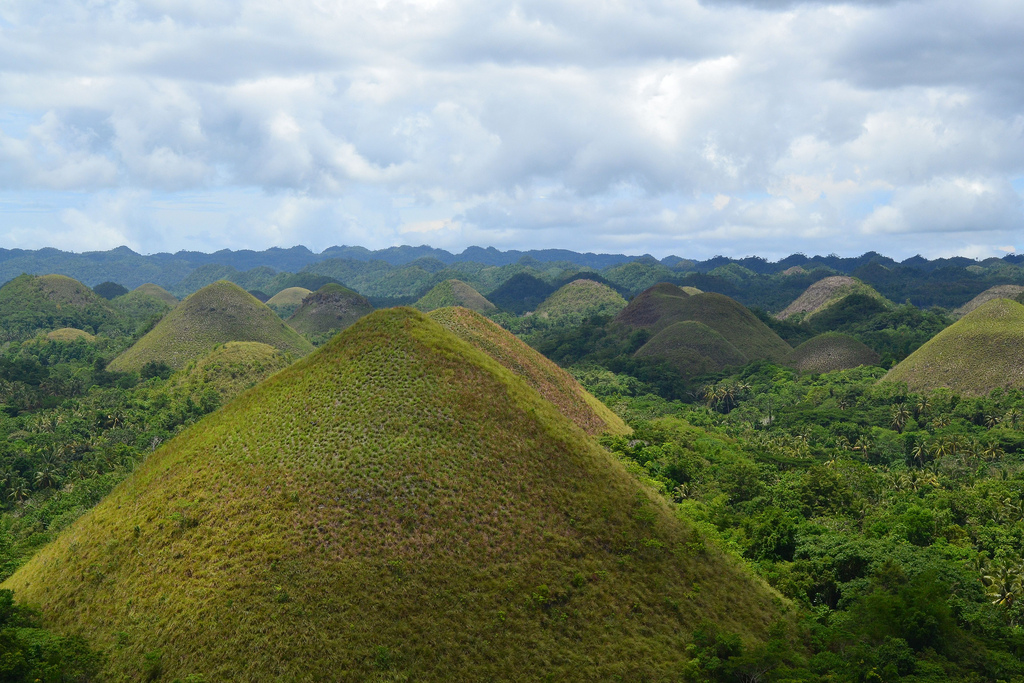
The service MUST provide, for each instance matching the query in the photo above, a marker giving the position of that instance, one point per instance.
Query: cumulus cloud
(732, 126)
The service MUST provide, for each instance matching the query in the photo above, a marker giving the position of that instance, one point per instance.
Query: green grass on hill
(70, 334)
(550, 381)
(329, 310)
(664, 304)
(144, 303)
(397, 506)
(229, 370)
(830, 352)
(30, 304)
(978, 353)
(828, 292)
(216, 314)
(285, 302)
(581, 299)
(997, 292)
(453, 293)
(692, 348)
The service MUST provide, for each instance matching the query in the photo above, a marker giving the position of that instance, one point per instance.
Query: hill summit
(395, 506)
(217, 314)
(550, 381)
(453, 293)
(329, 310)
(31, 304)
(663, 305)
(580, 299)
(980, 352)
(828, 292)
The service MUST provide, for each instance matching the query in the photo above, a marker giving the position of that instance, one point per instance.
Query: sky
(733, 127)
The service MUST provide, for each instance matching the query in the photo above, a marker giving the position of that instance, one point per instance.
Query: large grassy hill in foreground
(980, 352)
(31, 304)
(657, 308)
(395, 506)
(550, 381)
(219, 313)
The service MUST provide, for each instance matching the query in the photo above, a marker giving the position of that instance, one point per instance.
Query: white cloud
(697, 128)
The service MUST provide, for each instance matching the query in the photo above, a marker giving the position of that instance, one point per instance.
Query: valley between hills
(412, 465)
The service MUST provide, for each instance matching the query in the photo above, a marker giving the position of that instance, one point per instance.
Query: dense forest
(888, 517)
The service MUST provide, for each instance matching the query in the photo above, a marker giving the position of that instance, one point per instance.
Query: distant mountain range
(92, 267)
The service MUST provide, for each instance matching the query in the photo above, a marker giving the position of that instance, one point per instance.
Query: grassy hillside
(216, 314)
(31, 304)
(329, 310)
(581, 299)
(997, 292)
(981, 351)
(70, 334)
(285, 302)
(144, 303)
(230, 369)
(692, 348)
(550, 381)
(453, 293)
(665, 304)
(828, 292)
(829, 352)
(396, 506)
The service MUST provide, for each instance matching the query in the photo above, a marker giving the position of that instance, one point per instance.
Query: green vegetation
(827, 292)
(578, 300)
(550, 381)
(30, 304)
(415, 509)
(31, 654)
(692, 348)
(978, 353)
(830, 352)
(217, 314)
(453, 293)
(145, 305)
(285, 302)
(327, 311)
(68, 334)
(109, 290)
(997, 292)
(665, 304)
(227, 371)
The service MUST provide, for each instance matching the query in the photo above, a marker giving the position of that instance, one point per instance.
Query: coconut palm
(900, 416)
(1013, 417)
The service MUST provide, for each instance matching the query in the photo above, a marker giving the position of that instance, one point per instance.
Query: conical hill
(830, 352)
(285, 302)
(692, 348)
(395, 506)
(31, 304)
(145, 302)
(328, 311)
(454, 293)
(581, 299)
(218, 313)
(980, 352)
(997, 292)
(828, 292)
(550, 381)
(657, 308)
(70, 334)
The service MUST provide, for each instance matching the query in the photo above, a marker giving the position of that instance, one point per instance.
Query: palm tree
(19, 491)
(920, 452)
(1002, 584)
(900, 416)
(923, 405)
(1012, 417)
(991, 421)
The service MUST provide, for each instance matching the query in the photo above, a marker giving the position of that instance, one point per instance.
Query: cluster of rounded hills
(692, 331)
(422, 497)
